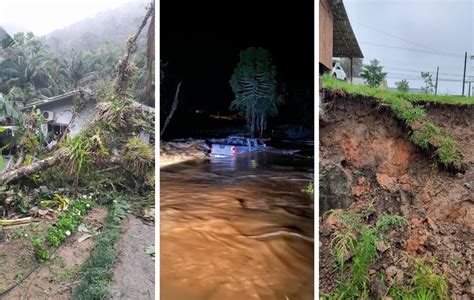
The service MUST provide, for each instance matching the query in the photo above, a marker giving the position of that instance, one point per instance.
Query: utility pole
(464, 76)
(436, 84)
(351, 71)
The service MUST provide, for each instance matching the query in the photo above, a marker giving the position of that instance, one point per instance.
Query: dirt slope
(386, 172)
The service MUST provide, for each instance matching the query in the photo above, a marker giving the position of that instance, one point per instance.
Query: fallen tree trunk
(40, 165)
(29, 169)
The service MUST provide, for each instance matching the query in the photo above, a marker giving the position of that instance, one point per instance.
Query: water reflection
(218, 223)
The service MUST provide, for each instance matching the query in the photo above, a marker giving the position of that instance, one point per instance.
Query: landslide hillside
(396, 194)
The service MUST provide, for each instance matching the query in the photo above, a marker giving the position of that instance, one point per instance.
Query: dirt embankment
(364, 148)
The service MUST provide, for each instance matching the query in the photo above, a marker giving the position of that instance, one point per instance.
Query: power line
(401, 39)
(401, 63)
(410, 49)
(398, 76)
(419, 71)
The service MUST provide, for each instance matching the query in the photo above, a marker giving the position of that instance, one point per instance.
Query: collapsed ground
(370, 167)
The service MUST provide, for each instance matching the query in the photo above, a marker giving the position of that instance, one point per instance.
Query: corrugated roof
(69, 95)
(344, 41)
(51, 100)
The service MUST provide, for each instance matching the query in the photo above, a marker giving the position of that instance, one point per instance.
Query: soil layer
(388, 174)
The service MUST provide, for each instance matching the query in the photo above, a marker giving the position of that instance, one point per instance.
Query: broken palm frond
(138, 156)
(22, 221)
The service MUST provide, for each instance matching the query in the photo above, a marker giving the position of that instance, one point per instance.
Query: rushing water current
(237, 228)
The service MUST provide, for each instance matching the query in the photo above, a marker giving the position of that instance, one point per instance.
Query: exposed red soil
(393, 176)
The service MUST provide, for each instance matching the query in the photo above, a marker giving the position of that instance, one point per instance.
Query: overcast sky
(43, 16)
(410, 36)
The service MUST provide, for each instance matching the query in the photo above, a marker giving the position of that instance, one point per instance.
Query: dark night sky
(201, 41)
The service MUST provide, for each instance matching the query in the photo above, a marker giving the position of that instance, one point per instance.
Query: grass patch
(425, 283)
(355, 250)
(309, 189)
(334, 84)
(358, 241)
(424, 134)
(97, 271)
(66, 224)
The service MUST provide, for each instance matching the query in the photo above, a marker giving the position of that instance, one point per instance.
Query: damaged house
(65, 113)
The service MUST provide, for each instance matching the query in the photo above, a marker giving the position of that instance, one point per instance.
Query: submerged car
(235, 145)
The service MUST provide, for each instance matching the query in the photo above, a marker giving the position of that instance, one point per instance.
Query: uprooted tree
(109, 143)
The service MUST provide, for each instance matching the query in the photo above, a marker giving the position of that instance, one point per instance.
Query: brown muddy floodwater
(237, 228)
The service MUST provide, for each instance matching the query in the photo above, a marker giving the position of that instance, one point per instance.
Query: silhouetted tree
(255, 88)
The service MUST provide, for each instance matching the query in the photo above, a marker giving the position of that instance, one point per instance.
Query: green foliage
(309, 188)
(386, 222)
(41, 253)
(429, 86)
(58, 201)
(422, 137)
(359, 240)
(120, 207)
(255, 88)
(425, 283)
(82, 150)
(25, 69)
(67, 222)
(139, 156)
(426, 280)
(30, 71)
(332, 84)
(343, 243)
(402, 86)
(447, 152)
(373, 73)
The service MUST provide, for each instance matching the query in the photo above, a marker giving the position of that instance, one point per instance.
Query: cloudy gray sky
(43, 16)
(410, 36)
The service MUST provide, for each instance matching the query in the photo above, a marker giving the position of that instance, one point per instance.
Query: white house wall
(63, 114)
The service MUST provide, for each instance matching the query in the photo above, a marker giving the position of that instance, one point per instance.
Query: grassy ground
(333, 84)
(423, 133)
(97, 271)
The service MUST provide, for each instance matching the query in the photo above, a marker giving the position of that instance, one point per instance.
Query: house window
(57, 129)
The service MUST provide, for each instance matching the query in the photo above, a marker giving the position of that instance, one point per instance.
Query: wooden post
(436, 84)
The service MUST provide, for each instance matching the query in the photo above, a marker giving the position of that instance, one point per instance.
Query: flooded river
(237, 228)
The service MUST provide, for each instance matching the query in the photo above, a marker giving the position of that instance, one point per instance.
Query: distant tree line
(29, 71)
